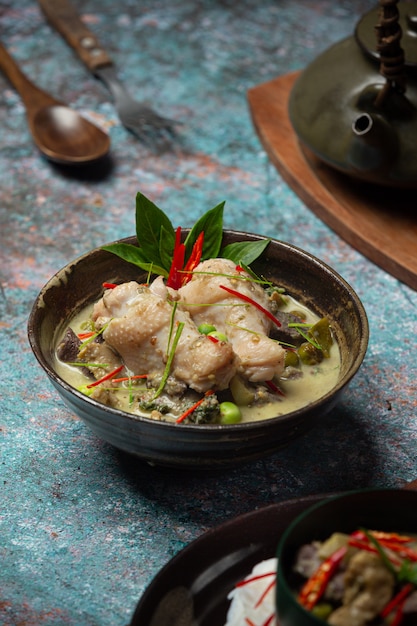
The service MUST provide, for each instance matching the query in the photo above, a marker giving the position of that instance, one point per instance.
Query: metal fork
(151, 128)
(140, 119)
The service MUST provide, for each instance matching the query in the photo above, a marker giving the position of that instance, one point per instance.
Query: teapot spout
(374, 145)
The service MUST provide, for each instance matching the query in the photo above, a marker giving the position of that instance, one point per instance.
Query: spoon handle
(32, 96)
(64, 18)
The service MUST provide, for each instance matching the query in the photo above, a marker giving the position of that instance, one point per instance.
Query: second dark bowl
(389, 510)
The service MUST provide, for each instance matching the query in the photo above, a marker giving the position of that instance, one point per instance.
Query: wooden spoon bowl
(60, 133)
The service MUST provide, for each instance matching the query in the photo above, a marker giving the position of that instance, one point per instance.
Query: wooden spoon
(60, 133)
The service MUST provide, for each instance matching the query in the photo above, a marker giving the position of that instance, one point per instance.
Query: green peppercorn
(229, 413)
(205, 329)
(299, 314)
(322, 335)
(309, 354)
(291, 359)
(217, 335)
(322, 610)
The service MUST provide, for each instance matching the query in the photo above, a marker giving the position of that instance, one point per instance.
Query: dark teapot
(355, 105)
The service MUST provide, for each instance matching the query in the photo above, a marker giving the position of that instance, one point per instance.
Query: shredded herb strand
(169, 361)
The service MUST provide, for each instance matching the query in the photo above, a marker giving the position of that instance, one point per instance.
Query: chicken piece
(368, 588)
(307, 560)
(115, 302)
(99, 354)
(159, 288)
(106, 396)
(138, 323)
(259, 357)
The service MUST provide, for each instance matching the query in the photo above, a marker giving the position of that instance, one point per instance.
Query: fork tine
(159, 137)
(150, 120)
(138, 117)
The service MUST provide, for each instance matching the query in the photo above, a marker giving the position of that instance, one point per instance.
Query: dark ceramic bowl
(206, 447)
(390, 510)
(192, 588)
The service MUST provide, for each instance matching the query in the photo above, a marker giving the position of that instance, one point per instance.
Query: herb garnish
(156, 239)
(407, 571)
(169, 360)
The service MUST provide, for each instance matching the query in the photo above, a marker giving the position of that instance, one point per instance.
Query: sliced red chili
(106, 377)
(174, 276)
(246, 298)
(273, 387)
(398, 617)
(380, 535)
(253, 579)
(401, 549)
(83, 336)
(383, 536)
(397, 600)
(362, 545)
(394, 543)
(317, 583)
(125, 378)
(265, 593)
(192, 408)
(194, 260)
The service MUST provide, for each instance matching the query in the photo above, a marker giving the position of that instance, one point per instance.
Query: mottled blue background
(83, 529)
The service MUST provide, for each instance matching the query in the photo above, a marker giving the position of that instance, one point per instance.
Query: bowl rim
(224, 428)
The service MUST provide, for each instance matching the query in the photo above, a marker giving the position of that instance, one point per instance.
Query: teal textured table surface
(84, 529)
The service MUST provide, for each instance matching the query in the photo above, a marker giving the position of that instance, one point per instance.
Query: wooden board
(379, 221)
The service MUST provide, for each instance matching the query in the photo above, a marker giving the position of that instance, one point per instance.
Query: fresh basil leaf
(135, 255)
(166, 247)
(251, 273)
(156, 239)
(149, 222)
(245, 252)
(408, 572)
(212, 225)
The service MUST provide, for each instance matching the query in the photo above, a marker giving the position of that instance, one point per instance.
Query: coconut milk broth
(316, 381)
